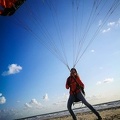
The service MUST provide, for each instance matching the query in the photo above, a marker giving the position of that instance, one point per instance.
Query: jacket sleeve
(67, 85)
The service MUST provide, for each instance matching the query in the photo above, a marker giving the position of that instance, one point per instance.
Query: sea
(102, 106)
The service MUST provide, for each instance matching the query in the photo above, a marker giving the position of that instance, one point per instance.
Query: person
(77, 93)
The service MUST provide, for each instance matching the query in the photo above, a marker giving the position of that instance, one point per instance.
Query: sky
(41, 39)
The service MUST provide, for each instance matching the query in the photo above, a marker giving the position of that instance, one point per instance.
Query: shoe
(99, 118)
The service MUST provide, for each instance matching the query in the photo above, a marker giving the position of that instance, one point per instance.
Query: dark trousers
(79, 96)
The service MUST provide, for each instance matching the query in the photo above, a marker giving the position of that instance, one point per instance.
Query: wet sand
(107, 114)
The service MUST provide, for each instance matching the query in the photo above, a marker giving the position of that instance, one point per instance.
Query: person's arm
(67, 85)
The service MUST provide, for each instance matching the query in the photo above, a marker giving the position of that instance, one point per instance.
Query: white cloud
(111, 25)
(107, 80)
(118, 22)
(33, 104)
(45, 97)
(92, 51)
(106, 30)
(27, 105)
(61, 100)
(98, 83)
(0, 94)
(2, 100)
(12, 69)
(114, 24)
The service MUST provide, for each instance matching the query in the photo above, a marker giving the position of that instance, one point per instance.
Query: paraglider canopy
(8, 7)
(43, 20)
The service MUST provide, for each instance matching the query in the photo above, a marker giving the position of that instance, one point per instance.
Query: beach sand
(107, 114)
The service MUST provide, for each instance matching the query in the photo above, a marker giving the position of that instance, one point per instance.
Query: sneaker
(99, 118)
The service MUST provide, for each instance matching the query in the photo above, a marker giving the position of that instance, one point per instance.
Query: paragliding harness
(11, 11)
(78, 87)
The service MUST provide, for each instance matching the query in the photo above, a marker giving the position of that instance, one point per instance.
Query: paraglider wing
(9, 7)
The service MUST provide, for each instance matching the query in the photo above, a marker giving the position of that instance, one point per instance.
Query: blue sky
(32, 77)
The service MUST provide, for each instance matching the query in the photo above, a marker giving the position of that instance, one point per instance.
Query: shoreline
(112, 113)
(108, 111)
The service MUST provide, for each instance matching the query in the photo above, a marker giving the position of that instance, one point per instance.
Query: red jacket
(72, 83)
